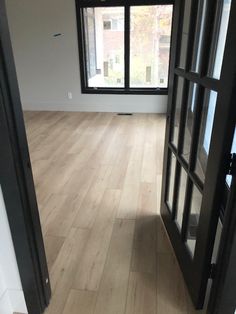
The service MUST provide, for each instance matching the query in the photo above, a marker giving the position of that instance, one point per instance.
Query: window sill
(123, 91)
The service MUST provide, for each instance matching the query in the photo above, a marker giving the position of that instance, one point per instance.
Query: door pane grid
(191, 131)
(183, 164)
(184, 179)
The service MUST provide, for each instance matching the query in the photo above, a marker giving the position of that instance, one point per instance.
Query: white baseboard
(13, 301)
(17, 300)
(5, 304)
(121, 107)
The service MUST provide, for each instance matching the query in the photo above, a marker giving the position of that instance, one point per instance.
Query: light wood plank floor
(98, 184)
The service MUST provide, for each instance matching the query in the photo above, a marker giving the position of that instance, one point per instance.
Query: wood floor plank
(147, 200)
(171, 293)
(163, 243)
(92, 263)
(80, 302)
(129, 201)
(79, 180)
(149, 168)
(119, 168)
(57, 178)
(89, 169)
(158, 193)
(87, 212)
(64, 269)
(141, 297)
(50, 209)
(144, 257)
(113, 289)
(52, 246)
(133, 173)
(62, 216)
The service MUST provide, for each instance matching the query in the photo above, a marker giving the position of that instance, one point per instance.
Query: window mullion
(127, 46)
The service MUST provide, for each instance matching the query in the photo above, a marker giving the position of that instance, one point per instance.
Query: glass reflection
(170, 194)
(193, 221)
(181, 198)
(205, 133)
(185, 32)
(188, 130)
(178, 105)
(223, 17)
(233, 150)
(198, 41)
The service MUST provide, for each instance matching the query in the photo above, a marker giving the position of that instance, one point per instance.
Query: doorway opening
(98, 175)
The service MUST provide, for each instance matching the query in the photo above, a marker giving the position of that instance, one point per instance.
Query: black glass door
(198, 136)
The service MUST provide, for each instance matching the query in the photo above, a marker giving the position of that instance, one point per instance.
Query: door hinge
(232, 165)
(212, 271)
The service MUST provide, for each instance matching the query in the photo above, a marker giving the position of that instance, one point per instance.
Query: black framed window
(124, 46)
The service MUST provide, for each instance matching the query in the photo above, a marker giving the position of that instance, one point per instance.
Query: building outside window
(125, 51)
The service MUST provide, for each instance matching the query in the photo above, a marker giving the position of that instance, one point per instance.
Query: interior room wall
(48, 66)
(11, 294)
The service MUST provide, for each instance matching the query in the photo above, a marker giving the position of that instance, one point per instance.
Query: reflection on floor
(98, 181)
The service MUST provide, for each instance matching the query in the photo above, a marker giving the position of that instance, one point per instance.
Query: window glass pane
(170, 194)
(181, 198)
(189, 121)
(205, 133)
(193, 221)
(221, 24)
(217, 241)
(185, 31)
(233, 150)
(178, 105)
(201, 20)
(104, 39)
(150, 33)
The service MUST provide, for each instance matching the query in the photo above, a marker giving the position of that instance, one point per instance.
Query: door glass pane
(201, 20)
(170, 194)
(178, 105)
(181, 198)
(233, 150)
(185, 32)
(150, 45)
(189, 121)
(104, 44)
(205, 133)
(219, 45)
(193, 221)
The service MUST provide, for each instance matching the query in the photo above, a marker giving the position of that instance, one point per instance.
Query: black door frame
(17, 182)
(218, 161)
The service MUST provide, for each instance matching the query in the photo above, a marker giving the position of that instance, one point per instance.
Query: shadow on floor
(154, 255)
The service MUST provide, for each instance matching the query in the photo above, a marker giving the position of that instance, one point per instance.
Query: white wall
(48, 67)
(11, 294)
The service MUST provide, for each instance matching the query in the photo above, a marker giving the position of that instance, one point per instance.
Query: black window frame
(126, 4)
